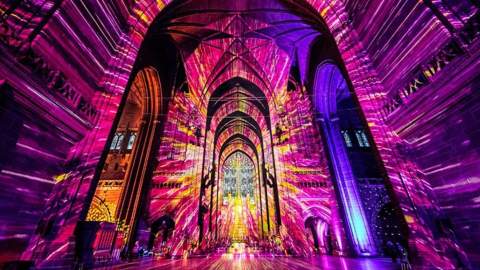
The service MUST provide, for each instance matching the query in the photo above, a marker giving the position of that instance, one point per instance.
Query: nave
(252, 262)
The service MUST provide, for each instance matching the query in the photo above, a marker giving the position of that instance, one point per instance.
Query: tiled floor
(228, 261)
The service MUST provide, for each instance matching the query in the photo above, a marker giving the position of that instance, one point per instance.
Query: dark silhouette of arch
(320, 230)
(164, 224)
(217, 97)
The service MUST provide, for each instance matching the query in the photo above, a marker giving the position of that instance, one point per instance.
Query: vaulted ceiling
(254, 40)
(237, 58)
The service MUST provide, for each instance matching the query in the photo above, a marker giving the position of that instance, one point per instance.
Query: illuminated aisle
(239, 229)
(239, 198)
(246, 262)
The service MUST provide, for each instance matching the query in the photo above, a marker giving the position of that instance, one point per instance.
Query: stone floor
(241, 262)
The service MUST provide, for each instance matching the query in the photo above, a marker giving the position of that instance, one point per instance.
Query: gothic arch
(145, 93)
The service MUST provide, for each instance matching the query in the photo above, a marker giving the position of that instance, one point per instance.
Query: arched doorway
(239, 198)
(160, 230)
(330, 90)
(354, 162)
(321, 234)
(124, 172)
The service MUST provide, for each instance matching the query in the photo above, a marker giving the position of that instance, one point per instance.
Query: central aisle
(246, 262)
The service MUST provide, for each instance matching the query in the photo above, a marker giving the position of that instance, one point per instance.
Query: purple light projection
(68, 94)
(331, 87)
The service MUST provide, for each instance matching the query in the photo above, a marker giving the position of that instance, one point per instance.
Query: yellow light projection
(239, 209)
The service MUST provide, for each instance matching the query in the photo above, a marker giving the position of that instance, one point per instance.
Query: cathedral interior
(240, 134)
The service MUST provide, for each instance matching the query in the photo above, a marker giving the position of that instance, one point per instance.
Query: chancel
(240, 134)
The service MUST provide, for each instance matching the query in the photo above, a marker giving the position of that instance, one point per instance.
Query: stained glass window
(346, 138)
(131, 141)
(117, 141)
(362, 138)
(238, 176)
